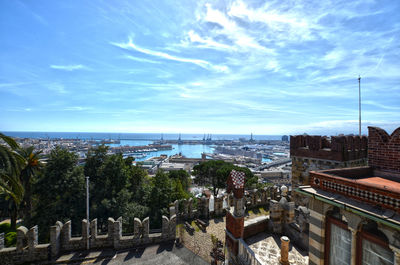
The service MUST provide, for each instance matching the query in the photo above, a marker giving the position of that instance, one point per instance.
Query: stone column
(316, 238)
(396, 252)
(284, 260)
(353, 245)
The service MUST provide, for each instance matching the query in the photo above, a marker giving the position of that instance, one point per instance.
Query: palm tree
(32, 166)
(10, 166)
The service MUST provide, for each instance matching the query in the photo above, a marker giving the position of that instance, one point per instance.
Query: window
(338, 243)
(372, 250)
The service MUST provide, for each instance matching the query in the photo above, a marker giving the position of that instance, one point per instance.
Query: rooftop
(266, 248)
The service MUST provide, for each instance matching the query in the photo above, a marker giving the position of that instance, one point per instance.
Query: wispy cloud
(70, 67)
(142, 60)
(202, 63)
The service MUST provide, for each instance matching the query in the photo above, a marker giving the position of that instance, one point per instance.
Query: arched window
(373, 247)
(337, 239)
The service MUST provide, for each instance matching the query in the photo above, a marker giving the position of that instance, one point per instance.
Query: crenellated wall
(384, 149)
(184, 209)
(28, 250)
(337, 148)
(313, 153)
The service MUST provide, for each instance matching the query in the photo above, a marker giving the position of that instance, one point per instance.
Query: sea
(136, 139)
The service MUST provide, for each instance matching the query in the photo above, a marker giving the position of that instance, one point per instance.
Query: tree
(182, 176)
(30, 170)
(216, 172)
(10, 185)
(160, 197)
(60, 192)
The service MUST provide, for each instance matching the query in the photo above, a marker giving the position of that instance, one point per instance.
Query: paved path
(163, 254)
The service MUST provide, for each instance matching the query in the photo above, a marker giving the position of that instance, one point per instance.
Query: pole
(359, 105)
(87, 212)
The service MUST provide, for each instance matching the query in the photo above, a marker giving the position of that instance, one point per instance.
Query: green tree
(160, 197)
(182, 176)
(27, 174)
(216, 172)
(60, 192)
(10, 185)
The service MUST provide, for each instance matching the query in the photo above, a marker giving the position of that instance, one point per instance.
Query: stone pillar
(396, 252)
(284, 260)
(137, 227)
(117, 235)
(93, 231)
(165, 227)
(185, 208)
(21, 238)
(85, 230)
(172, 227)
(353, 245)
(205, 207)
(176, 204)
(190, 208)
(55, 232)
(146, 227)
(218, 205)
(316, 238)
(32, 237)
(110, 232)
(276, 215)
(1, 241)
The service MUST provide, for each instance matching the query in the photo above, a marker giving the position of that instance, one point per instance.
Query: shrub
(10, 239)
(5, 228)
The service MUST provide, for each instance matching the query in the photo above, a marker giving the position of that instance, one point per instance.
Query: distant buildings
(285, 138)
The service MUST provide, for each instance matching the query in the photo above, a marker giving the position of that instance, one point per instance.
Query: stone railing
(246, 256)
(28, 250)
(253, 198)
(384, 196)
(337, 148)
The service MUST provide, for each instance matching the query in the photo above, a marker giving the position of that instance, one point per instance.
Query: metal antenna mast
(359, 105)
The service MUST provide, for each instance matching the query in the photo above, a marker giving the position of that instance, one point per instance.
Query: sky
(266, 67)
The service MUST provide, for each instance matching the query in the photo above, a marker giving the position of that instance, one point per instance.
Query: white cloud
(202, 63)
(69, 68)
(142, 60)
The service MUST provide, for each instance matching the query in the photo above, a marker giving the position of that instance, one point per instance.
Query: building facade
(355, 212)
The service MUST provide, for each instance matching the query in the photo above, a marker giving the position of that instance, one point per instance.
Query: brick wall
(337, 148)
(384, 149)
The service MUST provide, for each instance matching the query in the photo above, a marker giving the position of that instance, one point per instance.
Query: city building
(355, 212)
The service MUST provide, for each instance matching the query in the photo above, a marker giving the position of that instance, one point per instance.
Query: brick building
(311, 153)
(355, 212)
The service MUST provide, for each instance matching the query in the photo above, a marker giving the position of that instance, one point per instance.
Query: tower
(235, 216)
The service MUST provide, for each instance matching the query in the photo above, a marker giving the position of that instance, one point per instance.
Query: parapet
(28, 250)
(336, 148)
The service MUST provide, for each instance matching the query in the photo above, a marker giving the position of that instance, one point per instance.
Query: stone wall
(185, 209)
(28, 250)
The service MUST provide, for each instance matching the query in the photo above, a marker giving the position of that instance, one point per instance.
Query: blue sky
(267, 67)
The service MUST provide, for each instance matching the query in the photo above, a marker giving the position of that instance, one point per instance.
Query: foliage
(216, 172)
(5, 228)
(60, 192)
(27, 175)
(10, 239)
(10, 166)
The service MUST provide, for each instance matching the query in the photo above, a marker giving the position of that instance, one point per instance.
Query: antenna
(359, 105)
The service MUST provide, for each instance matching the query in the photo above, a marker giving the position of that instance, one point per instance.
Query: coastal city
(269, 160)
(205, 132)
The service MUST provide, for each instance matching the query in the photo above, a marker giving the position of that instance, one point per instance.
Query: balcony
(365, 184)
